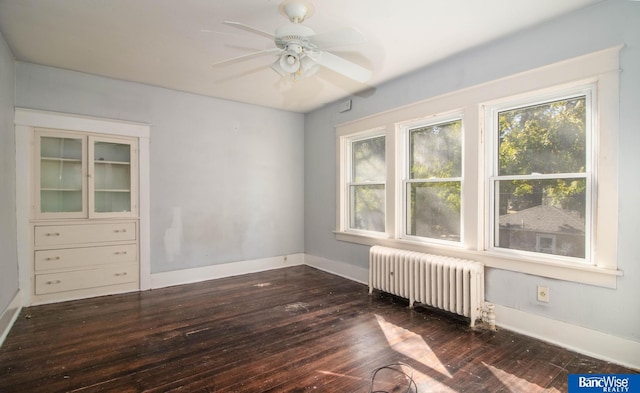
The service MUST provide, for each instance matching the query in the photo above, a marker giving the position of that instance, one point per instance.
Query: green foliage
(548, 138)
(367, 201)
(435, 155)
(368, 158)
(367, 208)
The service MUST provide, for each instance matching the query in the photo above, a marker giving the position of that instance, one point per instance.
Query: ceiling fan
(300, 51)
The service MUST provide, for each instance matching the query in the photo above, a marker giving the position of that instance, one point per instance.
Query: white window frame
(345, 146)
(405, 130)
(600, 69)
(491, 116)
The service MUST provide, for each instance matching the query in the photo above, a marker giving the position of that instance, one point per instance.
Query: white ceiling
(172, 43)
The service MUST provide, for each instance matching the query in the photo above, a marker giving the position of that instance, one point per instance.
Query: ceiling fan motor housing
(293, 32)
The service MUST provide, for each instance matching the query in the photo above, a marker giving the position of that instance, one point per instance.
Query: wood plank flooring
(289, 330)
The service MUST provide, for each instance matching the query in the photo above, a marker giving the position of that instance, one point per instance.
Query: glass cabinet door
(61, 175)
(84, 176)
(111, 176)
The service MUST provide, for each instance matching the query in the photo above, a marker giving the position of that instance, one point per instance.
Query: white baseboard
(342, 269)
(9, 316)
(198, 274)
(576, 338)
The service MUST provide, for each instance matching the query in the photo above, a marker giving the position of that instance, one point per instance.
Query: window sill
(584, 274)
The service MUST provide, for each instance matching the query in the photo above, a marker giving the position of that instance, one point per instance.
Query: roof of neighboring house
(544, 219)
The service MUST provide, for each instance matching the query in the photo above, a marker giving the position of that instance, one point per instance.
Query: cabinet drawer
(85, 256)
(55, 235)
(82, 279)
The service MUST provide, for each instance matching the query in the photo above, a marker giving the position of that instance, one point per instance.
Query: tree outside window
(542, 186)
(367, 186)
(433, 187)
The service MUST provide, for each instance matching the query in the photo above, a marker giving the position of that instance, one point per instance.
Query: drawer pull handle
(52, 234)
(120, 252)
(121, 274)
(52, 258)
(53, 282)
(120, 230)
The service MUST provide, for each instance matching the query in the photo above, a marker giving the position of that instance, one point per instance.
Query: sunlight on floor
(411, 345)
(517, 384)
(427, 371)
(340, 375)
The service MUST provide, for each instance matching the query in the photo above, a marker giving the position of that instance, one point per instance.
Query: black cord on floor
(397, 367)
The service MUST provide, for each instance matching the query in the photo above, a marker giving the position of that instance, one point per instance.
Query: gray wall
(614, 311)
(226, 178)
(8, 247)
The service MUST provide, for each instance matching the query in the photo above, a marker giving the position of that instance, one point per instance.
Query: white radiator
(451, 284)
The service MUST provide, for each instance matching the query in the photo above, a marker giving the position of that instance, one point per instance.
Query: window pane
(109, 202)
(545, 216)
(367, 207)
(112, 177)
(58, 201)
(68, 148)
(61, 175)
(436, 151)
(547, 138)
(433, 210)
(368, 160)
(117, 152)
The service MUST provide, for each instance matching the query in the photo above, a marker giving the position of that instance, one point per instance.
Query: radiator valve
(489, 316)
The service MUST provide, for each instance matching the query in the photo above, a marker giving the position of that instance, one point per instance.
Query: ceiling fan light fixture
(308, 67)
(303, 67)
(289, 62)
(276, 67)
(300, 51)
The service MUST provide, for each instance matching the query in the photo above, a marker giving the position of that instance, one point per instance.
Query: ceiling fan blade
(247, 56)
(250, 29)
(347, 36)
(342, 66)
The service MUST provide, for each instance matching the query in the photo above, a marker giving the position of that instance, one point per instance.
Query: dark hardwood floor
(289, 330)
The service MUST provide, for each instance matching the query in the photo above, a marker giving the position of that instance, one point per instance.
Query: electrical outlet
(543, 294)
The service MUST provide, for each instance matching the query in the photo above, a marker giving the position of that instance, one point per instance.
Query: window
(545, 243)
(541, 180)
(433, 181)
(366, 185)
(503, 172)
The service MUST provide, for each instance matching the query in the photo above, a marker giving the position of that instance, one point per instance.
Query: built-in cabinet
(84, 215)
(84, 176)
(74, 260)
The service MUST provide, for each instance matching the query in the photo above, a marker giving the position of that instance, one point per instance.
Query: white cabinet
(72, 234)
(84, 215)
(89, 258)
(112, 176)
(60, 181)
(84, 176)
